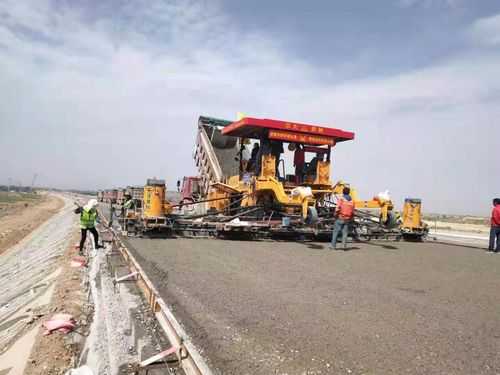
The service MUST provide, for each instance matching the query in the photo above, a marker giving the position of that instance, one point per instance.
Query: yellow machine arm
(385, 206)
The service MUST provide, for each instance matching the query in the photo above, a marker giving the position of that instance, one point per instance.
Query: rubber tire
(391, 221)
(312, 215)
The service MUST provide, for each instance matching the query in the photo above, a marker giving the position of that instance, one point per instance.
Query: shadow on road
(317, 246)
(384, 246)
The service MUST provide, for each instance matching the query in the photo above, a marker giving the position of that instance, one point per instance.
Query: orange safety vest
(345, 209)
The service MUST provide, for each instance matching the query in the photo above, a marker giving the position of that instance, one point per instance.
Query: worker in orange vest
(344, 215)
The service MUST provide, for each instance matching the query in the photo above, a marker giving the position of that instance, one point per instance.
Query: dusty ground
(123, 329)
(28, 274)
(297, 308)
(458, 227)
(56, 352)
(114, 325)
(19, 216)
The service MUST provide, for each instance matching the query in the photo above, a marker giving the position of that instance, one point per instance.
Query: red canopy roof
(249, 127)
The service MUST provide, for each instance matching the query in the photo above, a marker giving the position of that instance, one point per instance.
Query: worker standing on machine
(298, 162)
(344, 215)
(88, 218)
(264, 149)
(276, 150)
(253, 158)
(243, 155)
(495, 227)
(129, 204)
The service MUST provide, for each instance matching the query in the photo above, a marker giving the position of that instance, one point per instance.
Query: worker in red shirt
(495, 227)
(344, 215)
(298, 163)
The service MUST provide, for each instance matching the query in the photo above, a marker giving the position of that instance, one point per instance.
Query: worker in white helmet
(88, 218)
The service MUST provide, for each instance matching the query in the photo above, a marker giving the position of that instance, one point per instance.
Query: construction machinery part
(264, 187)
(214, 154)
(154, 199)
(265, 200)
(187, 355)
(412, 226)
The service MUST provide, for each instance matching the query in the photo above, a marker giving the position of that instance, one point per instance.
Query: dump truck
(215, 154)
(120, 196)
(109, 196)
(190, 189)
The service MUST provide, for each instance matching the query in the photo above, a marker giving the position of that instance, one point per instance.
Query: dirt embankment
(30, 271)
(21, 217)
(56, 353)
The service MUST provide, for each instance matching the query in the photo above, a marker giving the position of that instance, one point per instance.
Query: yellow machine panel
(323, 173)
(384, 206)
(154, 198)
(412, 214)
(216, 200)
(268, 166)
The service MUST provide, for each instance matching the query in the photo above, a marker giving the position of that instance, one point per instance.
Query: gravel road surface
(298, 308)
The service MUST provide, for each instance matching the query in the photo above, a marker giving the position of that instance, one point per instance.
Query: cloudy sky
(98, 94)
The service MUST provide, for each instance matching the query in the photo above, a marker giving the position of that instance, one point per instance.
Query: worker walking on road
(495, 227)
(344, 214)
(88, 217)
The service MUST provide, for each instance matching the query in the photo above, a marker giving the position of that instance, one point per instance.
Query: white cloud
(429, 3)
(114, 101)
(486, 31)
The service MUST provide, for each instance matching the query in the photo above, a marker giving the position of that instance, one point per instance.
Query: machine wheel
(391, 222)
(312, 215)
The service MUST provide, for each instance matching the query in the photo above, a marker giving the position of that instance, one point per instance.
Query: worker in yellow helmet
(88, 218)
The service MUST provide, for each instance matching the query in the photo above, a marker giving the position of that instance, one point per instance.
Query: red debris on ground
(78, 262)
(63, 323)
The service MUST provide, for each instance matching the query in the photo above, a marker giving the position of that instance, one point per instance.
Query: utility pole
(33, 182)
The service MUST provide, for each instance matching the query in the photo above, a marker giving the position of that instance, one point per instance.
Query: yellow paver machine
(243, 169)
(262, 182)
(269, 178)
